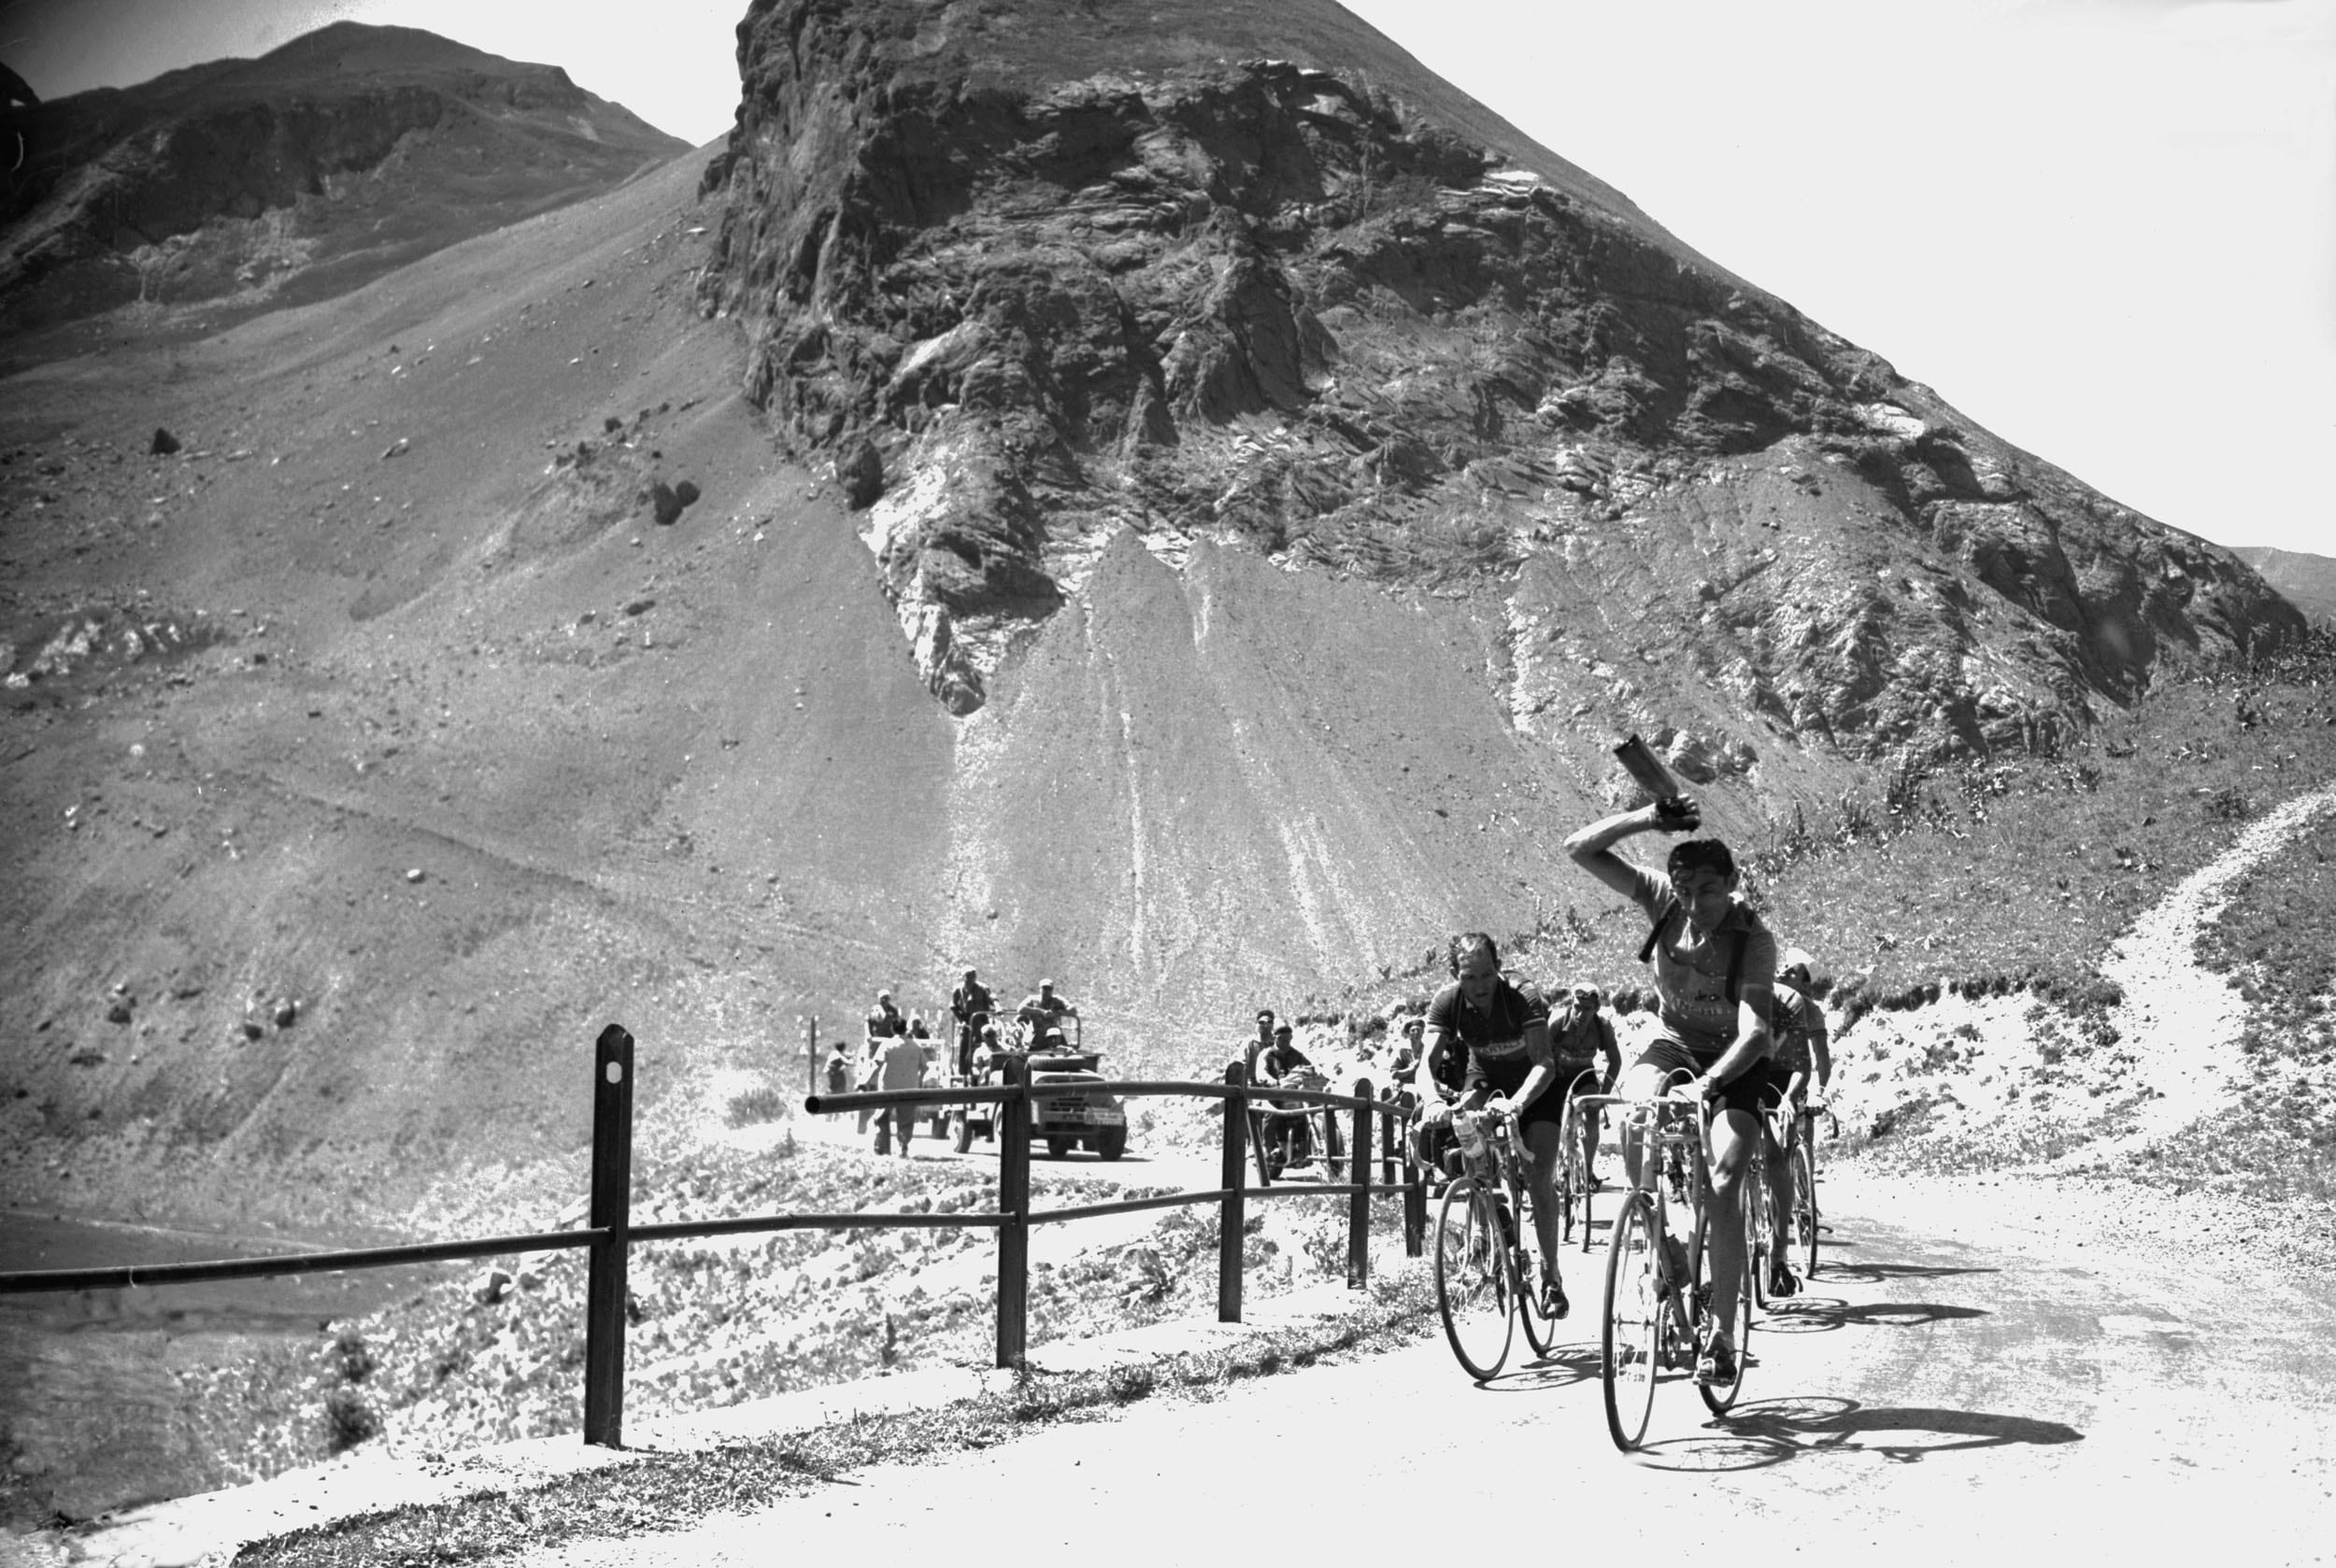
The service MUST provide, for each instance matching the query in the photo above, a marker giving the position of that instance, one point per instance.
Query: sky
(2103, 228)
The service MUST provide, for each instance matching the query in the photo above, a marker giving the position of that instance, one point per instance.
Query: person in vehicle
(1504, 1032)
(1582, 1042)
(1042, 1013)
(1715, 980)
(884, 1019)
(970, 1004)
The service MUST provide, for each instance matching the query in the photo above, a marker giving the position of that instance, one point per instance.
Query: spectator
(902, 1067)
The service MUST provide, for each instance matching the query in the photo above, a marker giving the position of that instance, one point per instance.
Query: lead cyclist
(1714, 978)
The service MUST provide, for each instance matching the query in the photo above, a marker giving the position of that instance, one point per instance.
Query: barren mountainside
(1035, 275)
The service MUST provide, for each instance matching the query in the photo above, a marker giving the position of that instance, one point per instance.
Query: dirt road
(1971, 1376)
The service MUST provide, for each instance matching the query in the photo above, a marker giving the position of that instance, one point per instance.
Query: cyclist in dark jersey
(1715, 976)
(1506, 1033)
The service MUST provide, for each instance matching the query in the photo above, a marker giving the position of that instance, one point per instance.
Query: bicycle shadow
(1775, 1431)
(1878, 1274)
(1825, 1313)
(1564, 1366)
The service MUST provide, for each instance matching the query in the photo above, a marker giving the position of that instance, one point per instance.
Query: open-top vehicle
(1095, 1119)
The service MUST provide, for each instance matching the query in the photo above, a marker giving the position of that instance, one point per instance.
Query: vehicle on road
(1093, 1120)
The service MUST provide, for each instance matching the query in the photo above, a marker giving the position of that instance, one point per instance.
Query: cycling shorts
(1747, 1092)
(1573, 1083)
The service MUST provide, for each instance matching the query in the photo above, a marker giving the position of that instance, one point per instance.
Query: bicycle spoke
(1804, 1221)
(1472, 1279)
(1541, 1328)
(1631, 1327)
(1731, 1318)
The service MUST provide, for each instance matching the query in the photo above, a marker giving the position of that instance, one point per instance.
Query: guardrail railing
(610, 1234)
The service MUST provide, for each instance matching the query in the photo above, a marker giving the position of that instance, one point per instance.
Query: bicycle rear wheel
(1632, 1321)
(1540, 1329)
(1804, 1213)
(1472, 1279)
(1707, 1314)
(1763, 1247)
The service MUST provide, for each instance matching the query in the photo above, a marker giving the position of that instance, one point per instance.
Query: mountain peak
(1032, 272)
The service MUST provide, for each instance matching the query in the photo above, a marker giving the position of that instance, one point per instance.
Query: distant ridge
(242, 184)
(2306, 581)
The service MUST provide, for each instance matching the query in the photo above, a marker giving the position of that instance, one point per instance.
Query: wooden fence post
(611, 1212)
(1013, 1124)
(1358, 1201)
(1231, 1216)
(811, 1054)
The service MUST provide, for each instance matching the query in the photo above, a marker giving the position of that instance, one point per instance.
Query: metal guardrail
(610, 1232)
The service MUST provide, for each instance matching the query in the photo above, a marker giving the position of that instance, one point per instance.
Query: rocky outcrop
(1028, 284)
(243, 176)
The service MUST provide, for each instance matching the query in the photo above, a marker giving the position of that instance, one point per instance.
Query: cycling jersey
(1495, 1038)
(1693, 1008)
(1795, 1021)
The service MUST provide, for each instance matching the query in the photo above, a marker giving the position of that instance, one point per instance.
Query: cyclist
(1798, 1025)
(1715, 974)
(1580, 1038)
(1505, 1031)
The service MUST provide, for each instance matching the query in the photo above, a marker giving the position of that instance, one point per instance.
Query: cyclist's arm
(1592, 848)
(1819, 1051)
(1753, 1042)
(1613, 1053)
(1543, 1071)
(1433, 1043)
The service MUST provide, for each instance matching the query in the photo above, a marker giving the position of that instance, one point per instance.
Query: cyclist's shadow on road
(1824, 1314)
(1771, 1432)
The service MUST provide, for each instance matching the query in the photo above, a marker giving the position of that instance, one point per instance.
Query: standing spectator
(837, 1072)
(1404, 1065)
(902, 1066)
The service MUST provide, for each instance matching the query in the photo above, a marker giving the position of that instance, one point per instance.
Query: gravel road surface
(1982, 1368)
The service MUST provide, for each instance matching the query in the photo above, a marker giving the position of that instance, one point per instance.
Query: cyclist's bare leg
(1543, 1142)
(1733, 1133)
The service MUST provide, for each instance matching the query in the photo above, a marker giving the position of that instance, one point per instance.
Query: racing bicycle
(1572, 1174)
(1488, 1263)
(1658, 1314)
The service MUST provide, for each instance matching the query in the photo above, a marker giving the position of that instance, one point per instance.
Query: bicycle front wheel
(1804, 1213)
(1710, 1315)
(1472, 1279)
(1633, 1326)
